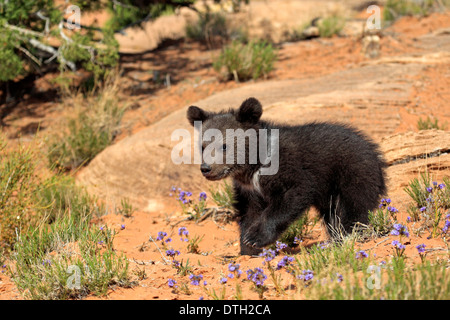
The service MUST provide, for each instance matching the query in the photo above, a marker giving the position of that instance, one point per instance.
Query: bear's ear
(196, 114)
(250, 111)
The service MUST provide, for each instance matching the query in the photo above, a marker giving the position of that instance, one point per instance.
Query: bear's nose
(205, 168)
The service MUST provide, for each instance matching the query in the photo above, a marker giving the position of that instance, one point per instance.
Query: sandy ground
(193, 79)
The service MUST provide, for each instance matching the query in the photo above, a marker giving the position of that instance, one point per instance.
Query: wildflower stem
(165, 260)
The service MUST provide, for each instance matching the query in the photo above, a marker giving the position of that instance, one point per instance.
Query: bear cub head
(227, 139)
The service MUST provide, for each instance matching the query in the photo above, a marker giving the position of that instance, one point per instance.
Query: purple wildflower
(46, 262)
(446, 226)
(400, 230)
(202, 196)
(392, 209)
(161, 235)
(172, 253)
(306, 275)
(182, 196)
(268, 255)
(384, 202)
(195, 279)
(234, 267)
(361, 254)
(421, 248)
(280, 246)
(171, 283)
(257, 276)
(285, 261)
(183, 232)
(397, 245)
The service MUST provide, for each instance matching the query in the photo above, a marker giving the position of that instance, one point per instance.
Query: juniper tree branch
(29, 55)
(37, 44)
(23, 30)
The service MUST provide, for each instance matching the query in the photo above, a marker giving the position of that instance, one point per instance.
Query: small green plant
(331, 26)
(58, 196)
(17, 186)
(400, 231)
(269, 255)
(211, 292)
(193, 242)
(93, 129)
(194, 209)
(417, 190)
(243, 62)
(383, 218)
(209, 25)
(397, 8)
(438, 202)
(68, 259)
(126, 208)
(223, 197)
(257, 277)
(430, 201)
(300, 229)
(428, 123)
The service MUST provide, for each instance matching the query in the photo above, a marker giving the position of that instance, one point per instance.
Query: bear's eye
(224, 147)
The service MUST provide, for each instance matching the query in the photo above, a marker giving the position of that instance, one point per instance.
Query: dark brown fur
(329, 166)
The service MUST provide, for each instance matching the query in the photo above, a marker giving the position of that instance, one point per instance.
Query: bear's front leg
(270, 224)
(248, 250)
(258, 235)
(246, 222)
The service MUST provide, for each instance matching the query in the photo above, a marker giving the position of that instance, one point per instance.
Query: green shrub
(69, 259)
(17, 185)
(382, 219)
(126, 208)
(208, 25)
(330, 26)
(223, 197)
(28, 199)
(417, 191)
(80, 145)
(10, 64)
(27, 25)
(397, 8)
(431, 200)
(394, 281)
(91, 131)
(298, 230)
(380, 222)
(58, 196)
(246, 61)
(428, 123)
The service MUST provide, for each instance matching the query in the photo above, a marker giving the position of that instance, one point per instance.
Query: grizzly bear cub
(329, 166)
